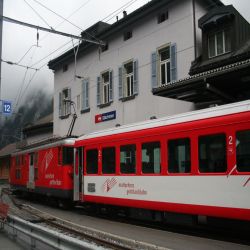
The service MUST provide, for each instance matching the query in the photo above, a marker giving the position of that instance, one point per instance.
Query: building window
(212, 154)
(243, 151)
(151, 158)
(128, 159)
(65, 67)
(64, 106)
(127, 35)
(162, 17)
(108, 160)
(85, 95)
(105, 88)
(179, 156)
(164, 66)
(128, 80)
(219, 43)
(92, 161)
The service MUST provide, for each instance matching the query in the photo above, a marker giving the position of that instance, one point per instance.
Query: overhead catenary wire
(38, 14)
(65, 19)
(164, 26)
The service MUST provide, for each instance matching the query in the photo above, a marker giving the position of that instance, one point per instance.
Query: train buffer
(4, 209)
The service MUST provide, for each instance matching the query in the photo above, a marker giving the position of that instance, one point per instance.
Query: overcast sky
(18, 40)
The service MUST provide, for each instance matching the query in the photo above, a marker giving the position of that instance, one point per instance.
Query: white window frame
(105, 88)
(128, 81)
(166, 63)
(215, 41)
(65, 105)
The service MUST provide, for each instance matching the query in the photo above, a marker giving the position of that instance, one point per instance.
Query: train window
(68, 155)
(108, 160)
(128, 159)
(92, 161)
(212, 154)
(243, 151)
(31, 159)
(179, 156)
(151, 158)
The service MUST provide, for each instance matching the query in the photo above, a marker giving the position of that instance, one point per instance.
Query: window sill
(128, 98)
(104, 105)
(62, 117)
(85, 111)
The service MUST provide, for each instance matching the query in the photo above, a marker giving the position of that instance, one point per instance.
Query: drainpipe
(194, 27)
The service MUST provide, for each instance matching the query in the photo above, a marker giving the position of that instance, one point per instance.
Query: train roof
(228, 109)
(50, 143)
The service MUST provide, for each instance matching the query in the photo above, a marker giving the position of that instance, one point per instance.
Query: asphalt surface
(162, 238)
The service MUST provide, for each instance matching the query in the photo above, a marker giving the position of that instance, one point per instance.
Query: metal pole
(194, 27)
(1, 38)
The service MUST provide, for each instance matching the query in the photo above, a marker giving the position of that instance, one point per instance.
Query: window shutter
(85, 94)
(173, 62)
(135, 71)
(154, 58)
(120, 85)
(111, 96)
(60, 104)
(98, 95)
(68, 103)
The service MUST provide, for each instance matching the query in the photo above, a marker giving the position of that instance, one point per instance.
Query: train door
(31, 182)
(78, 173)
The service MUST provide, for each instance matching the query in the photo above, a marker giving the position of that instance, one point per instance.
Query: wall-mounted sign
(105, 117)
(7, 108)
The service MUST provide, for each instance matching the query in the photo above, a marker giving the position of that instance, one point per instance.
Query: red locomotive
(44, 168)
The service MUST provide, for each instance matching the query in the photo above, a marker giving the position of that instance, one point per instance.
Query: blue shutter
(111, 96)
(135, 71)
(68, 103)
(120, 85)
(98, 94)
(85, 94)
(154, 58)
(173, 62)
(60, 104)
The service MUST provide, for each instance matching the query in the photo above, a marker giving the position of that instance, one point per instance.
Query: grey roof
(44, 121)
(104, 32)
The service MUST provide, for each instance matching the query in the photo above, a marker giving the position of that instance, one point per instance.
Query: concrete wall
(148, 35)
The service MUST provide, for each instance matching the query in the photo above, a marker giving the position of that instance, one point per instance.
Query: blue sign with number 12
(7, 109)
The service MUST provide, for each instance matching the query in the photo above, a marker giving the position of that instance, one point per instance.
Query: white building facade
(112, 85)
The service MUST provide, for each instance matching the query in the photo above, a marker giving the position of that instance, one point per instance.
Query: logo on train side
(109, 184)
(47, 159)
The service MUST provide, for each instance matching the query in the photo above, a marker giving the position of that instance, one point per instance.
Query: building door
(31, 182)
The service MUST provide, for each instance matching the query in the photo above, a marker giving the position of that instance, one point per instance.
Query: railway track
(91, 236)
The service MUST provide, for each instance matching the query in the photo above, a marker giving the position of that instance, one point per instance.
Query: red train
(44, 168)
(196, 163)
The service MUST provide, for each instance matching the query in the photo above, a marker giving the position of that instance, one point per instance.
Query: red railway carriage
(45, 169)
(196, 163)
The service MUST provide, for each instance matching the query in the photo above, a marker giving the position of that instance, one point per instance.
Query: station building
(112, 85)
